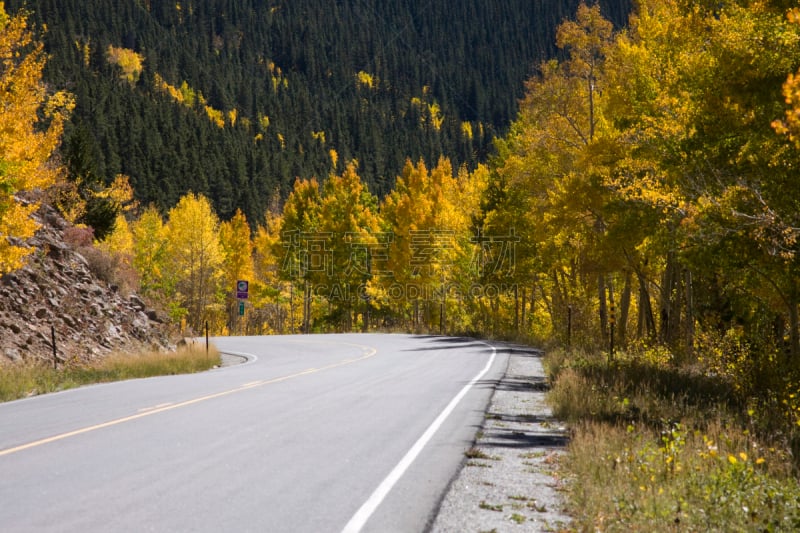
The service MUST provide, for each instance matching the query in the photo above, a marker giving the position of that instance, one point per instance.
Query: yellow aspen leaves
(149, 249)
(195, 258)
(790, 125)
(366, 80)
(237, 248)
(129, 62)
(31, 124)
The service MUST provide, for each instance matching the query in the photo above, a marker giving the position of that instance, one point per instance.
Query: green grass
(491, 507)
(518, 518)
(20, 381)
(658, 446)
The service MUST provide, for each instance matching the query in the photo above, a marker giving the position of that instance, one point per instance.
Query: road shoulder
(509, 481)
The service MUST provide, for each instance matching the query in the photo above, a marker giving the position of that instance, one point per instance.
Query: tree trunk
(603, 307)
(794, 327)
(559, 305)
(550, 308)
(307, 308)
(670, 302)
(689, 320)
(647, 323)
(442, 315)
(612, 317)
(624, 309)
(495, 305)
(366, 317)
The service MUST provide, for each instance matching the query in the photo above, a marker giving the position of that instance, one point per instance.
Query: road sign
(241, 289)
(241, 308)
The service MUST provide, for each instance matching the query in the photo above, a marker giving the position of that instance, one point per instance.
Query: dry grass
(661, 447)
(19, 381)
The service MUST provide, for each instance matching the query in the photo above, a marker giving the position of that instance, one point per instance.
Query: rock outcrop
(57, 291)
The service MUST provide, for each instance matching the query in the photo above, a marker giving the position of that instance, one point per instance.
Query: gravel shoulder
(509, 482)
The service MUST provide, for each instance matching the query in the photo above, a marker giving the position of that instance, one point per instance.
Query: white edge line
(364, 513)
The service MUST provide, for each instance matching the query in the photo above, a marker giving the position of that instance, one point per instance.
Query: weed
(476, 453)
(479, 465)
(518, 518)
(539, 508)
(533, 455)
(491, 507)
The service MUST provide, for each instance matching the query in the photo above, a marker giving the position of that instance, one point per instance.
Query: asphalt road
(313, 434)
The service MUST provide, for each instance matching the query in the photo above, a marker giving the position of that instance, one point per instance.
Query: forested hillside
(234, 99)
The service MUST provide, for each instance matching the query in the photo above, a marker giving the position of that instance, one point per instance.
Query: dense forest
(235, 99)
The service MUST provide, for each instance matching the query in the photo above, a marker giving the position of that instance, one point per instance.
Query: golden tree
(31, 123)
(427, 225)
(551, 173)
(348, 224)
(129, 62)
(270, 295)
(237, 250)
(149, 252)
(300, 238)
(195, 260)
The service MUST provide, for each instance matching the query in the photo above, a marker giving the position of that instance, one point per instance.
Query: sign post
(242, 288)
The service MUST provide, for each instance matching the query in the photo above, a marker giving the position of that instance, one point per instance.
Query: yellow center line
(159, 406)
(170, 406)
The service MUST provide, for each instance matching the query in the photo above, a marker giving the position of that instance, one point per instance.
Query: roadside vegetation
(23, 380)
(664, 444)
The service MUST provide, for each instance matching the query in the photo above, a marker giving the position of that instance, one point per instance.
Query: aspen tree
(31, 124)
(237, 250)
(195, 261)
(349, 224)
(149, 253)
(304, 251)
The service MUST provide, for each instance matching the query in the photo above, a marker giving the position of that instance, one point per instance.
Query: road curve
(314, 433)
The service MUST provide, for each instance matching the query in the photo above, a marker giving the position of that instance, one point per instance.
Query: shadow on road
(519, 416)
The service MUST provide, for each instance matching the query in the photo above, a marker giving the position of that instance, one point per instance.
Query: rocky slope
(59, 290)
